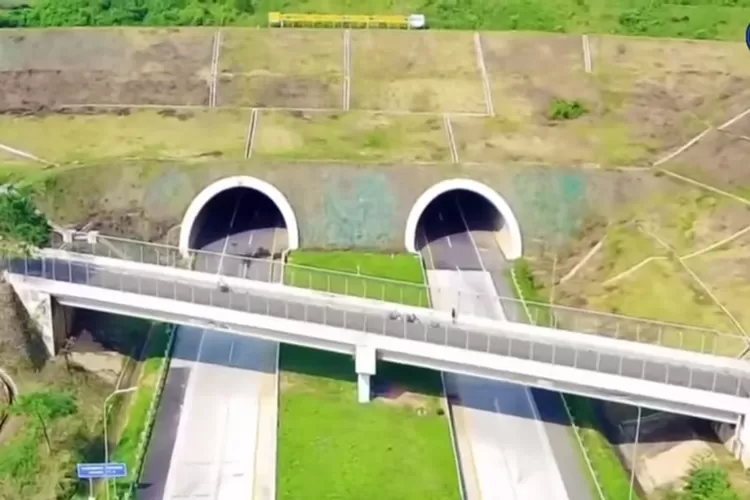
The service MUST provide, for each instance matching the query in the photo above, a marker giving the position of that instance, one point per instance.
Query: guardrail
(257, 267)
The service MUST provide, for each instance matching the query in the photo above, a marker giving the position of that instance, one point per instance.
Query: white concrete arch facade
(509, 237)
(240, 181)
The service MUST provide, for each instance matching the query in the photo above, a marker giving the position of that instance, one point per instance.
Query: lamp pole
(116, 392)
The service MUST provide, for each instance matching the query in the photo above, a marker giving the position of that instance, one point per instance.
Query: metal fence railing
(264, 267)
(489, 340)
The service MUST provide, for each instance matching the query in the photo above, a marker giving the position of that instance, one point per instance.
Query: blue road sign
(747, 36)
(101, 471)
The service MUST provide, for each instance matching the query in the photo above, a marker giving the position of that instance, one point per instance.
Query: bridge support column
(736, 438)
(51, 319)
(741, 440)
(365, 364)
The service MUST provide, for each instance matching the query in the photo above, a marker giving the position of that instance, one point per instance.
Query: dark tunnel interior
(239, 221)
(457, 212)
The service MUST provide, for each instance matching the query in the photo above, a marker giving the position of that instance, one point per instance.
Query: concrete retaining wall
(342, 205)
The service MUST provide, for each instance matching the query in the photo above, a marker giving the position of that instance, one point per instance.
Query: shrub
(20, 221)
(560, 109)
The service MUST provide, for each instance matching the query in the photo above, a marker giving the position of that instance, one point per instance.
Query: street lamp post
(106, 439)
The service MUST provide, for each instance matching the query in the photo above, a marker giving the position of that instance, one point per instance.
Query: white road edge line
(451, 139)
(471, 236)
(483, 71)
(182, 425)
(586, 53)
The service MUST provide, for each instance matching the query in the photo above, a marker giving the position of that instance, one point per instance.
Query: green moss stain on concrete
(360, 211)
(338, 206)
(550, 204)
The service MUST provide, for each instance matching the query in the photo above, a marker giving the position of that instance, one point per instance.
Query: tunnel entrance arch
(243, 182)
(509, 235)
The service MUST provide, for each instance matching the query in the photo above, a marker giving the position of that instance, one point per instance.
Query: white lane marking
(250, 242)
(471, 237)
(183, 424)
(223, 435)
(229, 233)
(448, 239)
(427, 246)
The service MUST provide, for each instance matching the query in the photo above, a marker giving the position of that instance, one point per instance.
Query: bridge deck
(561, 352)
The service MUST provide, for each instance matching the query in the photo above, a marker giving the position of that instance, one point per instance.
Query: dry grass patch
(107, 66)
(521, 74)
(141, 134)
(583, 141)
(635, 272)
(670, 90)
(281, 68)
(351, 136)
(661, 290)
(434, 71)
(719, 159)
(724, 271)
(693, 220)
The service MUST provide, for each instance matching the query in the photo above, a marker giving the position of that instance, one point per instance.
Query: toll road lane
(501, 438)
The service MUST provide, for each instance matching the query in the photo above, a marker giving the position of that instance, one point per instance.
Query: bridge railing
(262, 266)
(390, 323)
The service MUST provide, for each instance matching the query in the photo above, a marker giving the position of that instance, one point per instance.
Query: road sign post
(113, 470)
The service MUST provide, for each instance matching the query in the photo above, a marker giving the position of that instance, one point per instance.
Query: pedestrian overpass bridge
(662, 378)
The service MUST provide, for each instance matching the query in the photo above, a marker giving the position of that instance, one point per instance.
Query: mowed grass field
(330, 446)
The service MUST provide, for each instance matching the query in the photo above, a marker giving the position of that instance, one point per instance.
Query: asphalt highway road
(507, 450)
(215, 430)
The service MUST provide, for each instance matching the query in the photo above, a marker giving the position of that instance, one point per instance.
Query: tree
(45, 407)
(707, 481)
(21, 224)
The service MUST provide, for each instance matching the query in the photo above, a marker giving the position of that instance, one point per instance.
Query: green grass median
(128, 449)
(330, 447)
(389, 277)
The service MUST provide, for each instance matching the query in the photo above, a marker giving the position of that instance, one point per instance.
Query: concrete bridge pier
(365, 365)
(52, 320)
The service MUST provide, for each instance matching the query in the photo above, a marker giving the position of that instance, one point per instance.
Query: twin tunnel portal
(248, 217)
